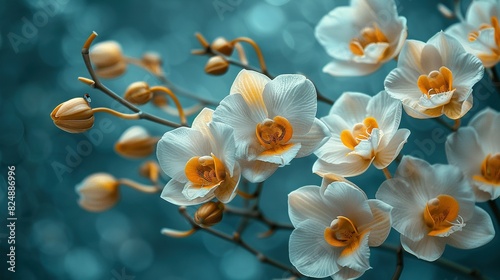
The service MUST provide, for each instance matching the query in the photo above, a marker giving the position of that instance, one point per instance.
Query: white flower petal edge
(310, 253)
(433, 206)
(479, 231)
(320, 215)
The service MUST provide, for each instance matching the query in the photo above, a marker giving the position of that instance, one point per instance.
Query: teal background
(56, 239)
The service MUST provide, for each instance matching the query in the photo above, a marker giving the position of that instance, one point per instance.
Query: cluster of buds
(217, 64)
(108, 59)
(73, 116)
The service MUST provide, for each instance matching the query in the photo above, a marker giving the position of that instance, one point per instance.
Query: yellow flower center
(440, 214)
(360, 131)
(342, 232)
(493, 24)
(205, 171)
(490, 170)
(436, 82)
(274, 134)
(368, 35)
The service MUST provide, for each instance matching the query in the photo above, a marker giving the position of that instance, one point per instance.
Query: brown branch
(445, 263)
(98, 85)
(236, 238)
(399, 263)
(259, 216)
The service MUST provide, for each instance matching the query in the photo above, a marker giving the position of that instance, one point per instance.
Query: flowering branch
(160, 75)
(208, 50)
(235, 238)
(96, 83)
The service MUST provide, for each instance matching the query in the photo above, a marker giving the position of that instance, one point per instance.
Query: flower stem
(456, 125)
(236, 239)
(177, 233)
(445, 124)
(387, 173)
(116, 113)
(258, 52)
(399, 264)
(139, 187)
(98, 85)
(241, 53)
(168, 92)
(494, 208)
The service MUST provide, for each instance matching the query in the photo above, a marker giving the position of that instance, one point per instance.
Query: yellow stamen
(368, 35)
(342, 232)
(490, 170)
(274, 134)
(205, 171)
(360, 131)
(439, 214)
(436, 82)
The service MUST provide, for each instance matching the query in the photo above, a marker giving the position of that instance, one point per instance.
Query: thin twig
(236, 238)
(399, 263)
(258, 215)
(98, 85)
(444, 123)
(445, 263)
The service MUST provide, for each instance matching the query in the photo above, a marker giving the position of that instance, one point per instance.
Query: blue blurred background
(56, 239)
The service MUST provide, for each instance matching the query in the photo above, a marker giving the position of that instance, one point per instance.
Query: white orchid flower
(479, 33)
(201, 162)
(434, 206)
(364, 130)
(475, 149)
(273, 121)
(361, 37)
(434, 78)
(334, 227)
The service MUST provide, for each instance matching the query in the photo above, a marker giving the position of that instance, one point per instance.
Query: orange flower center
(490, 170)
(205, 171)
(439, 214)
(360, 131)
(342, 232)
(368, 35)
(436, 82)
(493, 24)
(274, 134)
